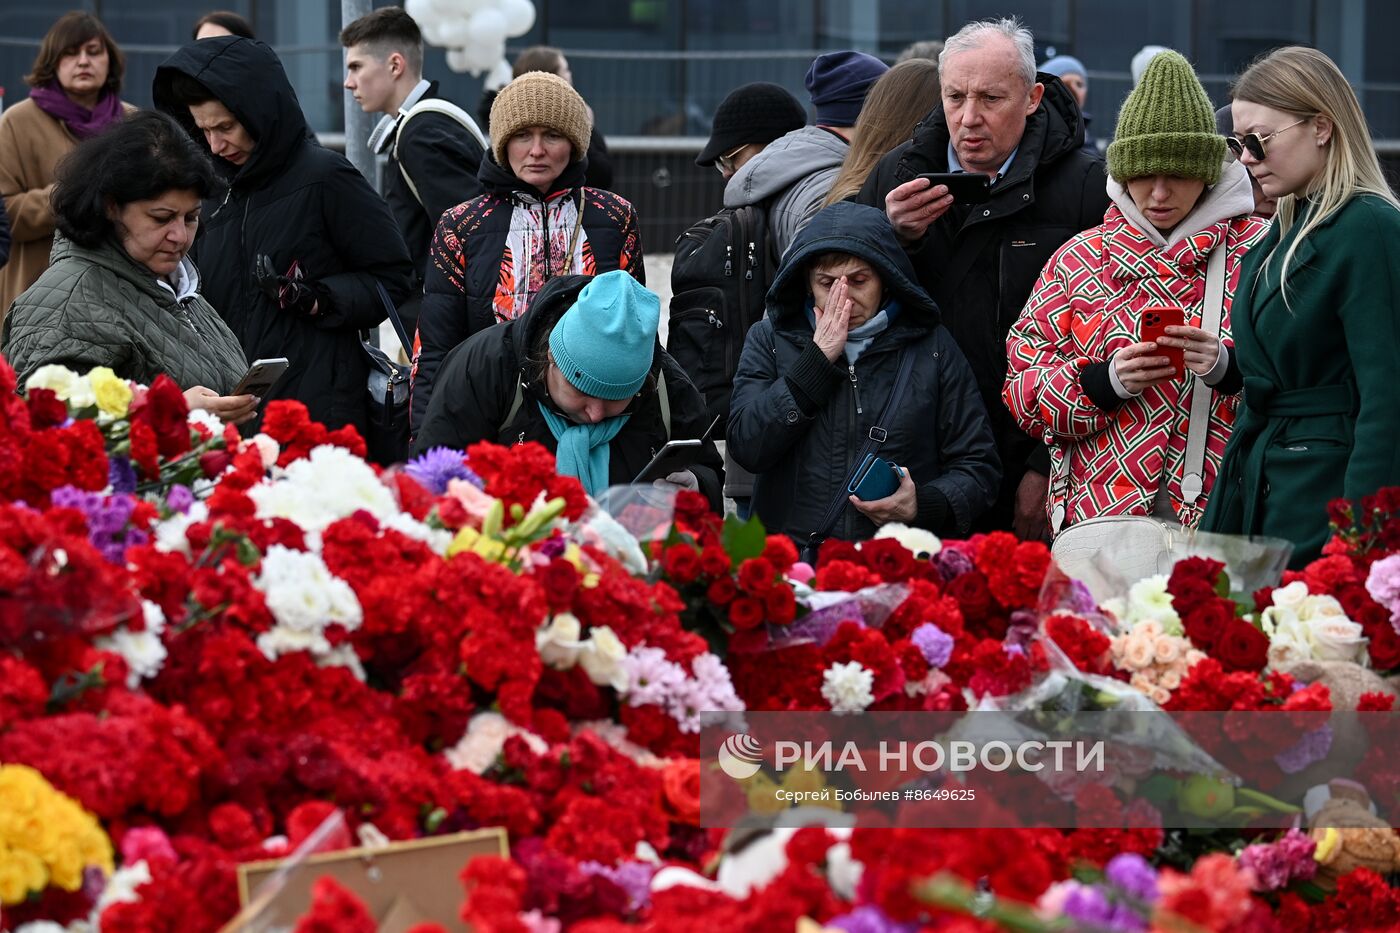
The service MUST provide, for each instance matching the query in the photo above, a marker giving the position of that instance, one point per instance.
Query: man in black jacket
(293, 255)
(980, 261)
(434, 146)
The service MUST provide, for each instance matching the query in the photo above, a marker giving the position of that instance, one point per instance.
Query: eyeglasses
(1253, 143)
(725, 163)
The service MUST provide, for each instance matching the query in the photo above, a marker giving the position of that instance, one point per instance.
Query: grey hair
(974, 35)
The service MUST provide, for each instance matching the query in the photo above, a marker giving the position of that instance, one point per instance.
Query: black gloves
(290, 291)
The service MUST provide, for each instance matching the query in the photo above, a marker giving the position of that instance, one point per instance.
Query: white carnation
(170, 534)
(323, 488)
(304, 597)
(436, 538)
(918, 541)
(206, 419)
(143, 651)
(485, 737)
(63, 382)
(848, 687)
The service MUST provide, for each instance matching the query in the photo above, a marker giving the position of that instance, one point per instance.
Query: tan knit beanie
(538, 98)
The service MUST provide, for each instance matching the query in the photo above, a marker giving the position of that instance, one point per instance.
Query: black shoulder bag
(386, 427)
(874, 437)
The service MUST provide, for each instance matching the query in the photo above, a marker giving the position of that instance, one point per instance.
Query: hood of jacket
(782, 162)
(1231, 196)
(247, 77)
(1053, 131)
(500, 180)
(858, 230)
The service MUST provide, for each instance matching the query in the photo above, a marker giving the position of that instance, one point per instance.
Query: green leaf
(434, 819)
(743, 540)
(73, 684)
(248, 553)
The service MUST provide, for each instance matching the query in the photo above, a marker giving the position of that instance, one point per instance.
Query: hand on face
(833, 321)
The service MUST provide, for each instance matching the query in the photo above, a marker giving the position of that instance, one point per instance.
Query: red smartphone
(1155, 321)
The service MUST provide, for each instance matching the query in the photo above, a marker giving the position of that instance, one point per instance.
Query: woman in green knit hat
(1114, 409)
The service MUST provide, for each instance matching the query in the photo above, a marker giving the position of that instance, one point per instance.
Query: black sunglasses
(1253, 143)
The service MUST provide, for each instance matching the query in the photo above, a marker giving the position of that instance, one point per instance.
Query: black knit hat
(752, 113)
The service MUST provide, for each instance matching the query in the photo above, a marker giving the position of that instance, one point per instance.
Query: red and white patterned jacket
(1087, 305)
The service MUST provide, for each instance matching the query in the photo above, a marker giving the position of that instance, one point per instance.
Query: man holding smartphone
(1024, 132)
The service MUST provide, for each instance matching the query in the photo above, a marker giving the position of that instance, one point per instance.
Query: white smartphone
(261, 377)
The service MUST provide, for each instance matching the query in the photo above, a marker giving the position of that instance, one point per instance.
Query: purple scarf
(81, 122)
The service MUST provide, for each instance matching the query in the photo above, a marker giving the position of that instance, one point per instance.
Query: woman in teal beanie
(582, 373)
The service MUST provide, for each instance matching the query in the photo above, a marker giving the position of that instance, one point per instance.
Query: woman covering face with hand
(1317, 322)
(121, 291)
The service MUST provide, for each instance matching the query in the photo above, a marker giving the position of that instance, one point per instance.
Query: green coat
(1321, 412)
(99, 307)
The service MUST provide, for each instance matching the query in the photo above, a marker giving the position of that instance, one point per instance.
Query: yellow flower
(762, 795)
(469, 539)
(805, 778)
(113, 394)
(21, 872)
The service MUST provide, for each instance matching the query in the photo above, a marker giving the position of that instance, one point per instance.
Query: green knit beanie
(1167, 126)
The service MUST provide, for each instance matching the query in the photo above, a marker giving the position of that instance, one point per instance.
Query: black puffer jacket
(293, 201)
(798, 421)
(477, 388)
(980, 262)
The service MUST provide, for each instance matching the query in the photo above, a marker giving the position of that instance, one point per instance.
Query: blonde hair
(1306, 83)
(902, 97)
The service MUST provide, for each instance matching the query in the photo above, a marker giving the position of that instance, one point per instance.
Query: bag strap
(394, 317)
(1193, 479)
(876, 436)
(434, 105)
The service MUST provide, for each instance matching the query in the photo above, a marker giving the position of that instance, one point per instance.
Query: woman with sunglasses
(1317, 321)
(1112, 407)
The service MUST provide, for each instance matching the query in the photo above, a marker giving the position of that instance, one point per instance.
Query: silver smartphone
(261, 377)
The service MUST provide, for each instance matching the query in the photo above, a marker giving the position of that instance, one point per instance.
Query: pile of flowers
(211, 644)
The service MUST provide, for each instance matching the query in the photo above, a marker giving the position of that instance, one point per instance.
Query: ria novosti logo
(740, 756)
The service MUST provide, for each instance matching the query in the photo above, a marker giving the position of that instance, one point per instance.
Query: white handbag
(1138, 546)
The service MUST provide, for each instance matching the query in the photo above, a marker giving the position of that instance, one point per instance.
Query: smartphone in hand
(1155, 321)
(261, 377)
(965, 187)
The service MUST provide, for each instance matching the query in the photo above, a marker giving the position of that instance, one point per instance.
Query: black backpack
(719, 277)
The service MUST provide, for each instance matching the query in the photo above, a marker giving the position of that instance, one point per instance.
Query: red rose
(722, 591)
(887, 557)
(836, 549)
(166, 412)
(780, 552)
(213, 462)
(714, 562)
(1208, 623)
(681, 563)
(746, 612)
(1242, 647)
(781, 605)
(756, 576)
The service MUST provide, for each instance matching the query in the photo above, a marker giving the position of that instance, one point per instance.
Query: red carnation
(559, 580)
(45, 409)
(334, 909)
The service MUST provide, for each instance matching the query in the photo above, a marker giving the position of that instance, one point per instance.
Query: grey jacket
(795, 171)
(99, 307)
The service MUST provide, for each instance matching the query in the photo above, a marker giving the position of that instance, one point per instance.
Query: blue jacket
(797, 421)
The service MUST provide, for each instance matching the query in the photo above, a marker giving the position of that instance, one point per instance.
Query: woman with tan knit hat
(1115, 406)
(536, 220)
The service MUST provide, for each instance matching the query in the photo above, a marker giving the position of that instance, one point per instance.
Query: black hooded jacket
(477, 382)
(798, 421)
(980, 261)
(295, 202)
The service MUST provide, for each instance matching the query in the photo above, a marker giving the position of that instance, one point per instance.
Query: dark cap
(752, 113)
(838, 82)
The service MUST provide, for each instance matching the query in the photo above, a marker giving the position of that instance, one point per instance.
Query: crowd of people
(971, 317)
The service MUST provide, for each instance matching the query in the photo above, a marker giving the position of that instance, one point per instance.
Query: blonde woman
(1317, 314)
(902, 97)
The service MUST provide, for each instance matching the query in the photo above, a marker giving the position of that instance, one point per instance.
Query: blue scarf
(582, 449)
(858, 338)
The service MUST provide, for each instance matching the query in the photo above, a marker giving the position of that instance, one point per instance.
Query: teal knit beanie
(604, 344)
(1167, 126)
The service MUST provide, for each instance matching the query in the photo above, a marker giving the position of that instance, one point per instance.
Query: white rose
(1278, 618)
(60, 380)
(1337, 639)
(1291, 596)
(1287, 650)
(1324, 607)
(601, 658)
(558, 642)
(917, 540)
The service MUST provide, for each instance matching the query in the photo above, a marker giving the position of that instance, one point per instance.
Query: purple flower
(121, 474)
(108, 520)
(935, 644)
(1092, 908)
(868, 918)
(634, 878)
(1134, 876)
(435, 468)
(951, 563)
(179, 499)
(1311, 747)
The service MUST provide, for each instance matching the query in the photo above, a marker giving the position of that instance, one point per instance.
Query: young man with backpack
(724, 264)
(434, 147)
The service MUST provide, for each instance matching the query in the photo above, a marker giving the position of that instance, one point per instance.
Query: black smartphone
(674, 457)
(965, 187)
(261, 377)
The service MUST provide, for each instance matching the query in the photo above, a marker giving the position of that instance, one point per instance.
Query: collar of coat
(1129, 254)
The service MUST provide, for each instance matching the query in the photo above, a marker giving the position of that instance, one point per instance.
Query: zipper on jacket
(855, 388)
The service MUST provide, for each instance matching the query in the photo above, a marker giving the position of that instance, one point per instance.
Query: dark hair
(227, 19)
(71, 32)
(142, 157)
(538, 58)
(385, 31)
(187, 92)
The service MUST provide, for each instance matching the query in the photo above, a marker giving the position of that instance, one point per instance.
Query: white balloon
(433, 33)
(458, 60)
(488, 27)
(420, 10)
(520, 16)
(456, 32)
